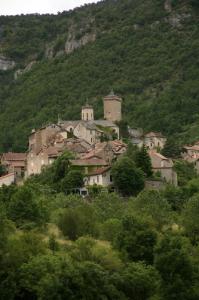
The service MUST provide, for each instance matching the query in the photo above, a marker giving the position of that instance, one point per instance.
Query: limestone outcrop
(25, 70)
(73, 44)
(6, 64)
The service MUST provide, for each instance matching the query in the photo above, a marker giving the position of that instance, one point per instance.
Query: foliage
(185, 171)
(73, 179)
(127, 179)
(190, 218)
(175, 196)
(24, 207)
(143, 161)
(79, 221)
(136, 240)
(2, 170)
(153, 205)
(171, 148)
(139, 281)
(174, 265)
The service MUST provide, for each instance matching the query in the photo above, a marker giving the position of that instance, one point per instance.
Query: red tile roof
(11, 156)
(194, 147)
(154, 134)
(89, 162)
(99, 171)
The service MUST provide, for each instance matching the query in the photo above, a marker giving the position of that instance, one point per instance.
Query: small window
(91, 140)
(111, 178)
(87, 116)
(97, 179)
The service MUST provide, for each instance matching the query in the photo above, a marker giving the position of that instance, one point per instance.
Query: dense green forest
(138, 244)
(145, 50)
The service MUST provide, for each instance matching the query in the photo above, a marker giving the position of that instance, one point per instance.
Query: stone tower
(112, 107)
(87, 113)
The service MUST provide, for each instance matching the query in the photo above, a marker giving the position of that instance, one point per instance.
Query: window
(91, 140)
(87, 116)
(97, 179)
(111, 178)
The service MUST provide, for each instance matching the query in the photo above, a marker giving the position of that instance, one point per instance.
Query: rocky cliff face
(20, 72)
(167, 5)
(6, 64)
(73, 44)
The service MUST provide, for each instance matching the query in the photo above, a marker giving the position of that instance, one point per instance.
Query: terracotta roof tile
(11, 156)
(89, 162)
(99, 171)
(154, 134)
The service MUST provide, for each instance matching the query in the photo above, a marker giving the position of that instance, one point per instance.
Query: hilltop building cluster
(95, 143)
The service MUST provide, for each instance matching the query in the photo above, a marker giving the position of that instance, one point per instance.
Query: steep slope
(147, 50)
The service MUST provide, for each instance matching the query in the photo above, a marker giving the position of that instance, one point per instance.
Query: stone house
(14, 163)
(100, 176)
(191, 155)
(164, 166)
(36, 161)
(154, 140)
(151, 140)
(89, 165)
(108, 151)
(48, 154)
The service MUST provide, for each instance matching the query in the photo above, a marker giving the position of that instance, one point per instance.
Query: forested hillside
(146, 50)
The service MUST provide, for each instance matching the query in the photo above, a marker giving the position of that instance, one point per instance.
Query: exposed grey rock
(73, 44)
(25, 70)
(175, 20)
(155, 24)
(6, 64)
(136, 26)
(59, 53)
(167, 5)
(49, 53)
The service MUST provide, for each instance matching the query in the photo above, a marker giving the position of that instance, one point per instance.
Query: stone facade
(112, 107)
(14, 163)
(154, 140)
(101, 177)
(87, 113)
(164, 166)
(48, 142)
(151, 140)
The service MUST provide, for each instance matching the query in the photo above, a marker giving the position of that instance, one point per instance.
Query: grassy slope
(154, 67)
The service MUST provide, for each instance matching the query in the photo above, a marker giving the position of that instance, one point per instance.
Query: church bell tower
(87, 113)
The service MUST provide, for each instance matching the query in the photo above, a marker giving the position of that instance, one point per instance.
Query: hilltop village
(96, 144)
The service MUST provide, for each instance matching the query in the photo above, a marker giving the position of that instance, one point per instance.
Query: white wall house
(101, 176)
